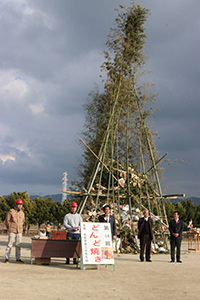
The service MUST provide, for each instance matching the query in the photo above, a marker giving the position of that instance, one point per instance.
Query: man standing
(72, 222)
(107, 218)
(176, 227)
(145, 235)
(14, 223)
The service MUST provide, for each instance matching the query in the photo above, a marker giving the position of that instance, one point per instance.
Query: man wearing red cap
(14, 223)
(72, 222)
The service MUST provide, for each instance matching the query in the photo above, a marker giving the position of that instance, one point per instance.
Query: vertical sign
(96, 242)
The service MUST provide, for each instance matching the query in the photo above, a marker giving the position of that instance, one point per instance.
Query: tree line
(37, 211)
(42, 210)
(187, 209)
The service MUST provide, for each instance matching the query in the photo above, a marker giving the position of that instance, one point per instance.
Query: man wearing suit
(107, 218)
(145, 235)
(176, 227)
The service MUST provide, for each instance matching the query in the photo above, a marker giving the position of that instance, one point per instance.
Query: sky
(51, 52)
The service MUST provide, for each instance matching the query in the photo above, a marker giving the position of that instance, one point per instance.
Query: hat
(18, 201)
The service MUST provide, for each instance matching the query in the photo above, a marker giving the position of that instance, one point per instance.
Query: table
(193, 241)
(43, 248)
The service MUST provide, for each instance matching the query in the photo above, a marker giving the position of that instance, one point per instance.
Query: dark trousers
(73, 236)
(175, 243)
(145, 242)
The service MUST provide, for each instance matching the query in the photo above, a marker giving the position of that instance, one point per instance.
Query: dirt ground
(131, 279)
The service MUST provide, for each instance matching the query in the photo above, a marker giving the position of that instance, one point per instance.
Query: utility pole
(64, 184)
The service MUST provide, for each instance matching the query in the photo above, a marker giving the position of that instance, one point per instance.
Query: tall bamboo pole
(104, 145)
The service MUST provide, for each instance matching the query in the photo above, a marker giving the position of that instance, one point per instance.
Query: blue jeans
(73, 236)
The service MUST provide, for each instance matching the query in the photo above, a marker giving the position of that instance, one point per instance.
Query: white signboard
(96, 241)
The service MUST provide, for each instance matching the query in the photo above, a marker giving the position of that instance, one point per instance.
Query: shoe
(67, 261)
(148, 260)
(74, 261)
(179, 261)
(6, 261)
(141, 260)
(19, 261)
(172, 261)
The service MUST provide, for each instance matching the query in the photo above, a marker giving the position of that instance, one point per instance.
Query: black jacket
(141, 225)
(176, 228)
(111, 221)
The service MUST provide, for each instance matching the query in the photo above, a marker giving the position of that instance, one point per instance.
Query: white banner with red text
(96, 242)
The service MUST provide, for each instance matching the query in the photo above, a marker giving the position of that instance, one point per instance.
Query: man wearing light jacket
(14, 223)
(72, 223)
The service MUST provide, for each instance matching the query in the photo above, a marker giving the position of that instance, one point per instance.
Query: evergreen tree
(4, 208)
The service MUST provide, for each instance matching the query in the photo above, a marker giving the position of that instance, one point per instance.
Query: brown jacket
(15, 220)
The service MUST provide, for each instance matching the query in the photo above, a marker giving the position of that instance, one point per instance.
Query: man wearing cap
(108, 218)
(72, 222)
(14, 223)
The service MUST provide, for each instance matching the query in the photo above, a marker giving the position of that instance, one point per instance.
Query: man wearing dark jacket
(145, 235)
(176, 227)
(107, 218)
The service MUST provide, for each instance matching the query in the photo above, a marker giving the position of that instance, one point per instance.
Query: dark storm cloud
(50, 60)
(172, 48)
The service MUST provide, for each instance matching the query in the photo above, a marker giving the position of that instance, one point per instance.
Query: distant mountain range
(55, 197)
(58, 198)
(195, 200)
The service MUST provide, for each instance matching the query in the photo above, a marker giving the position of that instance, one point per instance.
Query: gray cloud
(50, 60)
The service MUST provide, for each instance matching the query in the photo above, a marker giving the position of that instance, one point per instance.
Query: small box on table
(58, 234)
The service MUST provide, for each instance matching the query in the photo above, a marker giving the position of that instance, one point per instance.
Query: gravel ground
(131, 279)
